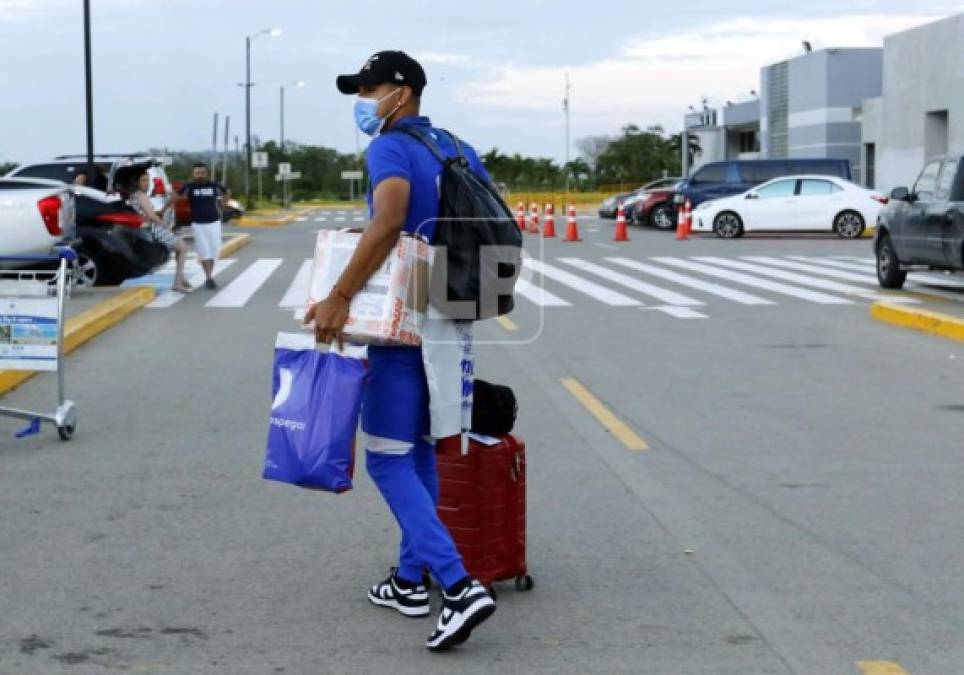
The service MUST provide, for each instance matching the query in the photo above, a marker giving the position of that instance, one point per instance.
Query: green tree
(637, 156)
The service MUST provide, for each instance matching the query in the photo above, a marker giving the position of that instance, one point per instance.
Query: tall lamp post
(89, 93)
(273, 32)
(284, 183)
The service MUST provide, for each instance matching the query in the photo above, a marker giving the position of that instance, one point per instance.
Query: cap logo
(399, 76)
(368, 63)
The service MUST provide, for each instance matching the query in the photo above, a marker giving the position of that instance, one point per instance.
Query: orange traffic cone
(572, 228)
(688, 217)
(621, 234)
(534, 218)
(681, 232)
(549, 230)
(520, 216)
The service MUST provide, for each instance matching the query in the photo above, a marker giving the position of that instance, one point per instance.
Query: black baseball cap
(388, 66)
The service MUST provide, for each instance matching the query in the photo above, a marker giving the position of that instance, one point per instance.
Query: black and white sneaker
(409, 599)
(460, 615)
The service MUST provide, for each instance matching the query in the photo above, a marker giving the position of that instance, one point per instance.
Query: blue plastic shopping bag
(314, 415)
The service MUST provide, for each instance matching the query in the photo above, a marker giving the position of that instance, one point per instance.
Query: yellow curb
(869, 233)
(272, 220)
(935, 323)
(236, 242)
(86, 325)
(881, 668)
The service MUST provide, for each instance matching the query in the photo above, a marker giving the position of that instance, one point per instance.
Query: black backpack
(482, 242)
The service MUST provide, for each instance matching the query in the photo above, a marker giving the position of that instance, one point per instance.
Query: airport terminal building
(883, 109)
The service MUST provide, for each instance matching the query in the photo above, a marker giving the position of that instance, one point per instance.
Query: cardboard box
(387, 311)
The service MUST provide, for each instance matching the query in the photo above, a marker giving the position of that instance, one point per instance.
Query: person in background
(80, 179)
(141, 203)
(207, 201)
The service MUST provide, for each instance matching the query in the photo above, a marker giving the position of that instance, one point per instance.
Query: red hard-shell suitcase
(482, 501)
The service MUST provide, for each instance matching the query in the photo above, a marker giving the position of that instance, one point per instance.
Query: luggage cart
(32, 307)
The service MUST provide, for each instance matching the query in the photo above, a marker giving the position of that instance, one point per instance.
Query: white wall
(923, 71)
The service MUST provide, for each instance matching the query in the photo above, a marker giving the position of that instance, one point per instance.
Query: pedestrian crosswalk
(336, 216)
(690, 287)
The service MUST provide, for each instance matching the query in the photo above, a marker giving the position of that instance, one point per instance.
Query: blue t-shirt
(398, 155)
(203, 195)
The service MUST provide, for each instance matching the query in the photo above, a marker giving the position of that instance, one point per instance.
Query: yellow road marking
(610, 422)
(944, 325)
(507, 323)
(880, 668)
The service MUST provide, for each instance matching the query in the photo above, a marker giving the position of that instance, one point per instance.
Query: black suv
(925, 226)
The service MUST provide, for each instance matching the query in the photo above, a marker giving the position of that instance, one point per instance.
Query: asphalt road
(798, 510)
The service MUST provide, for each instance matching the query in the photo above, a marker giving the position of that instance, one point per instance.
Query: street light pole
(565, 107)
(284, 183)
(274, 32)
(247, 122)
(88, 78)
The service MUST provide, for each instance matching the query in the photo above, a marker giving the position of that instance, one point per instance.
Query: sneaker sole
(464, 632)
(411, 612)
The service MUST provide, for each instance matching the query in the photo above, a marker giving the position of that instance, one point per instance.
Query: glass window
(924, 187)
(818, 187)
(711, 173)
(947, 179)
(754, 173)
(780, 188)
(61, 172)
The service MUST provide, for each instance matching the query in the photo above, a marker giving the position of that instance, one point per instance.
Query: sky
(496, 70)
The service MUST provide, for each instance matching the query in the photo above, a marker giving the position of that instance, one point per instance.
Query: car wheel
(90, 270)
(728, 225)
(889, 274)
(849, 225)
(663, 217)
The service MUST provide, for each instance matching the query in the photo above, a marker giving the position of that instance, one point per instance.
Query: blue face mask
(366, 114)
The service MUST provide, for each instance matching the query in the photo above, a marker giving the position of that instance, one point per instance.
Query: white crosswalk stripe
(814, 269)
(246, 284)
(698, 284)
(539, 295)
(195, 277)
(297, 293)
(830, 262)
(667, 296)
(796, 278)
(593, 290)
(681, 312)
(747, 280)
(321, 219)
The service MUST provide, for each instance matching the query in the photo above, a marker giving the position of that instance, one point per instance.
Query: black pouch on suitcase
(494, 409)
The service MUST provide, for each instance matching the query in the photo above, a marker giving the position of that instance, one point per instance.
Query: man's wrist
(340, 294)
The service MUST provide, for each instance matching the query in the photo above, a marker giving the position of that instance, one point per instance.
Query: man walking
(206, 199)
(403, 197)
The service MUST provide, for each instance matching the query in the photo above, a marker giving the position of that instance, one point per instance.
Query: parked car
(923, 226)
(34, 219)
(610, 206)
(112, 173)
(805, 203)
(653, 205)
(110, 244)
(725, 179)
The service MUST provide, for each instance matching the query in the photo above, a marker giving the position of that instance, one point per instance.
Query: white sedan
(792, 203)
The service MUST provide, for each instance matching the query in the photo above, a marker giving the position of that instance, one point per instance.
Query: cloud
(653, 78)
(443, 58)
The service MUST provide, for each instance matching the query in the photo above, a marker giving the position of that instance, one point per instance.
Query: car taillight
(159, 189)
(121, 218)
(878, 198)
(50, 212)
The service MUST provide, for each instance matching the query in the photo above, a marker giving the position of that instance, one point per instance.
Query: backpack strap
(419, 134)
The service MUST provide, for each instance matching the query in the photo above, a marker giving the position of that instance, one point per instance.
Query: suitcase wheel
(524, 582)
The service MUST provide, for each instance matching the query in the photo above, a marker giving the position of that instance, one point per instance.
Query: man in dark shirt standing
(206, 198)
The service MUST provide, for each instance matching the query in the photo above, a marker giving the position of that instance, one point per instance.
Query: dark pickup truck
(923, 227)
